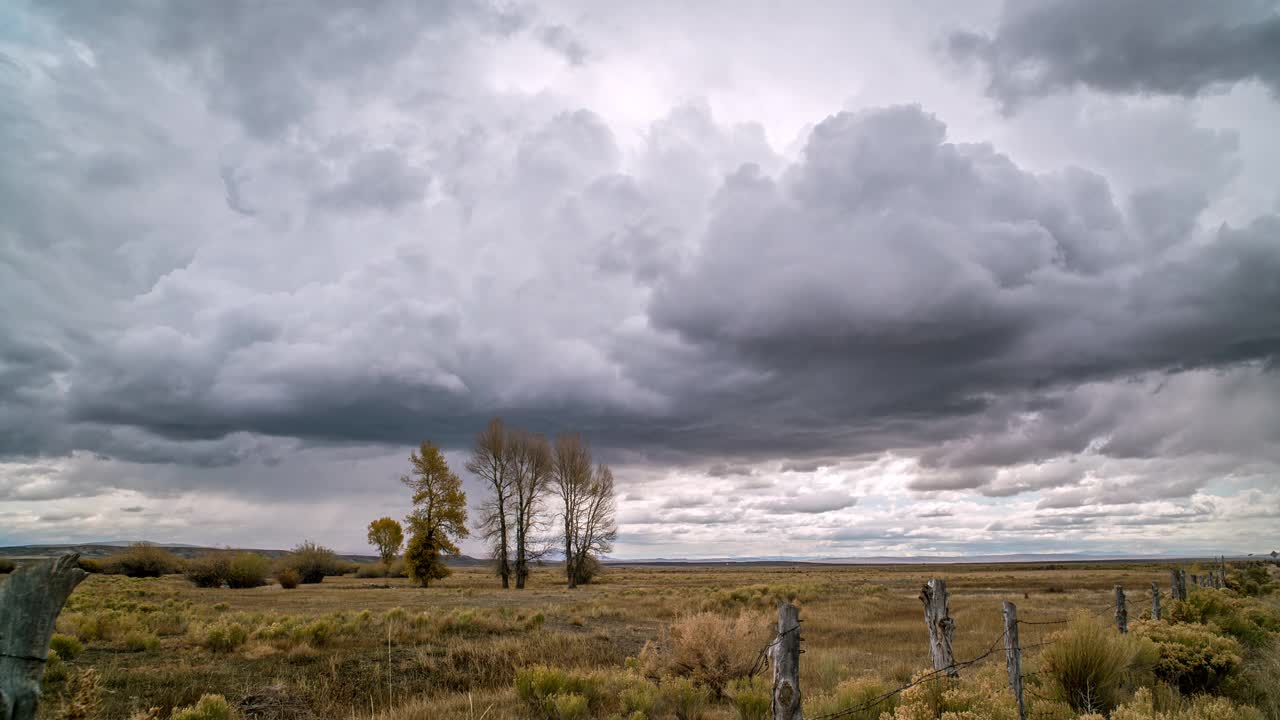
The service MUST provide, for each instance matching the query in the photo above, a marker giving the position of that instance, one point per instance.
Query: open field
(353, 647)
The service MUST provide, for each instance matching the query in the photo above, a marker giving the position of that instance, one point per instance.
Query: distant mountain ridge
(109, 547)
(104, 548)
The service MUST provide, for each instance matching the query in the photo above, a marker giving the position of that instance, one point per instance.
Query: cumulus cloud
(1177, 48)
(338, 230)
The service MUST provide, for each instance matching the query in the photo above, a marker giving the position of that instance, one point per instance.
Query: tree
(529, 461)
(386, 535)
(597, 526)
(570, 475)
(587, 507)
(439, 514)
(489, 461)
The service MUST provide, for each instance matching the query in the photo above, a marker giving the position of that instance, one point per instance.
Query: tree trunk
(30, 601)
(568, 555)
(504, 563)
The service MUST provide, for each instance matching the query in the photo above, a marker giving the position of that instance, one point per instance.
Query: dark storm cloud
(1183, 47)
(327, 272)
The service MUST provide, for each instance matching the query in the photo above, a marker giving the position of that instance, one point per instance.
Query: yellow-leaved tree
(439, 514)
(386, 535)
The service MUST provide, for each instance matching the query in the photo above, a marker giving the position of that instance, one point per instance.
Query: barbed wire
(927, 677)
(763, 655)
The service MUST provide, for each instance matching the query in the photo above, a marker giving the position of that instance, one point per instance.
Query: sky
(816, 279)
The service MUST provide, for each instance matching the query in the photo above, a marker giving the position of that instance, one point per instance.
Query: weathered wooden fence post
(1122, 611)
(937, 616)
(1013, 655)
(1178, 579)
(1155, 601)
(1195, 580)
(30, 601)
(786, 665)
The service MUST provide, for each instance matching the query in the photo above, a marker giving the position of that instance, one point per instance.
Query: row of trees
(538, 495)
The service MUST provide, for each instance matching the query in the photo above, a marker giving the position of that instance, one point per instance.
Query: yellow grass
(452, 651)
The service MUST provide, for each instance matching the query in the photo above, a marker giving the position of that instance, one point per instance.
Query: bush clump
(313, 563)
(139, 641)
(234, 569)
(854, 692)
(208, 707)
(541, 688)
(7, 566)
(1246, 620)
(288, 578)
(1191, 656)
(709, 649)
(1202, 707)
(142, 560)
(247, 570)
(68, 647)
(1091, 664)
(223, 636)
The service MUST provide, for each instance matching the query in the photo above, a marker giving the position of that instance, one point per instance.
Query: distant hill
(110, 547)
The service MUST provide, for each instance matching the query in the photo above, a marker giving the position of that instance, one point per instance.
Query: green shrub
(1246, 620)
(166, 622)
(1143, 707)
(1090, 664)
(138, 641)
(853, 692)
(247, 570)
(313, 563)
(66, 646)
(751, 698)
(223, 636)
(1191, 656)
(209, 707)
(570, 706)
(640, 697)
(288, 578)
(538, 687)
(209, 570)
(142, 560)
(684, 698)
(7, 566)
(55, 669)
(89, 565)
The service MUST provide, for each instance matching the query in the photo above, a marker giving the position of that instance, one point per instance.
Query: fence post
(1179, 580)
(1013, 655)
(937, 617)
(1155, 601)
(1122, 612)
(30, 601)
(1195, 580)
(786, 665)
(1222, 569)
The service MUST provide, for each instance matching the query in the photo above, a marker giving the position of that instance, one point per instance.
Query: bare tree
(587, 507)
(529, 461)
(570, 477)
(597, 525)
(489, 462)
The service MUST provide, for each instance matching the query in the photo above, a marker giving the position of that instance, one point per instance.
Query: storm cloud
(250, 266)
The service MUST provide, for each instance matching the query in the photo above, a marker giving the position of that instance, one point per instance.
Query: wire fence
(952, 668)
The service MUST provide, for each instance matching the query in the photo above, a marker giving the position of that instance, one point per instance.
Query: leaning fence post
(786, 665)
(1013, 655)
(937, 616)
(30, 601)
(1155, 601)
(1122, 612)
